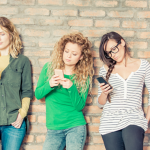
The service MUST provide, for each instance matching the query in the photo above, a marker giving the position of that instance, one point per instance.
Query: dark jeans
(129, 138)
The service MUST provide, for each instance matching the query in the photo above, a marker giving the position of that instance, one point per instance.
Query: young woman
(65, 97)
(15, 87)
(122, 122)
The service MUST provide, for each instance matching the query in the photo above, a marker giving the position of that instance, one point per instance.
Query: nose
(69, 55)
(113, 55)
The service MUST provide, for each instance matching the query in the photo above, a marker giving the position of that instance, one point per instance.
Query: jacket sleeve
(78, 100)
(43, 87)
(26, 83)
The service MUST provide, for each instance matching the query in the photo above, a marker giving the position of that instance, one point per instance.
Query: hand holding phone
(104, 85)
(59, 72)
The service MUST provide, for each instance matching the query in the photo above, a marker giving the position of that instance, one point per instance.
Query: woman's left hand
(66, 83)
(18, 122)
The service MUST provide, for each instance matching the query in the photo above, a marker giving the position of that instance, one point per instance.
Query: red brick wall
(42, 22)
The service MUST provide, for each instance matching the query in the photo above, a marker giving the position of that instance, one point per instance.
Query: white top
(126, 100)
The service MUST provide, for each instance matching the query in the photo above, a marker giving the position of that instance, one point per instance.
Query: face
(4, 39)
(112, 46)
(72, 54)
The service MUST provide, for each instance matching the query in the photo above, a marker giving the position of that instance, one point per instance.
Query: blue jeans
(72, 138)
(129, 138)
(12, 137)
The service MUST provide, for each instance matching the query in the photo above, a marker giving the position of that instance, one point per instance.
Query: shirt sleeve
(26, 86)
(78, 100)
(147, 79)
(99, 89)
(43, 87)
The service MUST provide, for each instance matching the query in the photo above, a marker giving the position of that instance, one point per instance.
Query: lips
(68, 60)
(0, 43)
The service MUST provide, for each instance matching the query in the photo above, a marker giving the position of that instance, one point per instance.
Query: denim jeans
(11, 137)
(72, 138)
(129, 138)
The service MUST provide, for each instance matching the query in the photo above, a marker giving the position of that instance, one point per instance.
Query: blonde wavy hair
(83, 71)
(15, 41)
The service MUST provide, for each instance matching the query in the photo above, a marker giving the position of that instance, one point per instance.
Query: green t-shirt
(63, 106)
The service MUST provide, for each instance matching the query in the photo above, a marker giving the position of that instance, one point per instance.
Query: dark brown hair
(109, 61)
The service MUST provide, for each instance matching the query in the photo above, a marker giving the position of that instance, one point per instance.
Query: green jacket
(15, 84)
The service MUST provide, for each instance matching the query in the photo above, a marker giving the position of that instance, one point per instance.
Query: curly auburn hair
(109, 61)
(15, 41)
(83, 71)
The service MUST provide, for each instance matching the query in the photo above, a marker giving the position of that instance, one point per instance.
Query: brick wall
(42, 22)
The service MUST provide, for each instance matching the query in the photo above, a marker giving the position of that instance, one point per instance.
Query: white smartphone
(59, 72)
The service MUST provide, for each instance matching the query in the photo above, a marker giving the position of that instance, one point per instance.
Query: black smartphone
(102, 80)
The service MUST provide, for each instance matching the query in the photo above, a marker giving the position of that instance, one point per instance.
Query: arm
(147, 83)
(43, 86)
(78, 100)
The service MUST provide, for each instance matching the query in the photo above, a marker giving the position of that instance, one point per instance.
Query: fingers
(54, 81)
(16, 124)
(105, 88)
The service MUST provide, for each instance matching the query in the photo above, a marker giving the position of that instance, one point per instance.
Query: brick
(64, 12)
(121, 14)
(94, 33)
(146, 147)
(40, 53)
(63, 32)
(36, 33)
(89, 100)
(145, 100)
(8, 11)
(79, 2)
(94, 91)
(92, 13)
(40, 138)
(32, 60)
(37, 108)
(81, 23)
(94, 147)
(102, 3)
(50, 2)
(96, 119)
(138, 45)
(107, 23)
(96, 71)
(143, 14)
(38, 129)
(36, 70)
(88, 139)
(95, 53)
(46, 43)
(33, 147)
(87, 118)
(143, 54)
(146, 139)
(143, 35)
(93, 128)
(3, 2)
(134, 24)
(136, 3)
(92, 110)
(126, 33)
(97, 139)
(98, 63)
(28, 139)
(36, 11)
(32, 118)
(22, 20)
(50, 22)
(22, 2)
(42, 119)
(43, 61)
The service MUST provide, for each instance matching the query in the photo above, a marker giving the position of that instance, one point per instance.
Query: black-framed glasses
(113, 50)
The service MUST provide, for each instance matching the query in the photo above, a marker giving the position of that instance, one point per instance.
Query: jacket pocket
(15, 76)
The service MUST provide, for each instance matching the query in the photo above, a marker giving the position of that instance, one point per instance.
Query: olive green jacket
(15, 84)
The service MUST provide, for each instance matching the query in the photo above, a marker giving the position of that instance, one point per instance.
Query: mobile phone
(59, 72)
(101, 79)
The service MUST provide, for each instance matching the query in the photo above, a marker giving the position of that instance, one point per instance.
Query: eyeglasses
(113, 50)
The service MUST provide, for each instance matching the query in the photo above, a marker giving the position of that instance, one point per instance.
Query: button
(2, 95)
(1, 83)
(4, 108)
(16, 70)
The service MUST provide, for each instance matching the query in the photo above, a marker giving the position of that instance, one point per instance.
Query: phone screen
(102, 80)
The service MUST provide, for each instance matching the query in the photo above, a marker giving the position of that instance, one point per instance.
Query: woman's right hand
(105, 88)
(54, 81)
